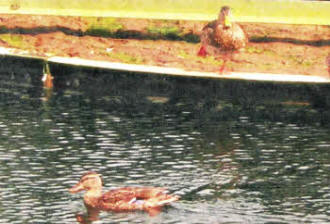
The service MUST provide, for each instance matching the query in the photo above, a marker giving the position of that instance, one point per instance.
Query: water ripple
(227, 169)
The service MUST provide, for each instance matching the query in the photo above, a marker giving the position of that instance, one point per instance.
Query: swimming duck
(222, 36)
(121, 199)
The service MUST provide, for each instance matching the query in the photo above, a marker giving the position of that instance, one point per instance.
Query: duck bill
(227, 21)
(76, 188)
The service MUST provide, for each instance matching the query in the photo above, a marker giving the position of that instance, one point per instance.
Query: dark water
(235, 152)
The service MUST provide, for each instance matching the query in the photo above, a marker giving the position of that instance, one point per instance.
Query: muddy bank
(273, 48)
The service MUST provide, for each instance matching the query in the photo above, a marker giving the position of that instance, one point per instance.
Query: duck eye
(89, 178)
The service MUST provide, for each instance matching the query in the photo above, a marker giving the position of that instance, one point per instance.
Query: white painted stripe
(269, 77)
(181, 72)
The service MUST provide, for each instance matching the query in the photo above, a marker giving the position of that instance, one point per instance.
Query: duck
(222, 36)
(124, 199)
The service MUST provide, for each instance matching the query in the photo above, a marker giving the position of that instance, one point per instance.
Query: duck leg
(229, 56)
(154, 211)
(226, 56)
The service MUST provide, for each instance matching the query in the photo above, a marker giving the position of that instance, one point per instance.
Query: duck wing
(135, 198)
(232, 38)
(143, 193)
(119, 200)
(206, 36)
(154, 197)
(120, 194)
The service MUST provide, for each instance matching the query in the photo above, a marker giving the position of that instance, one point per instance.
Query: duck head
(224, 17)
(90, 181)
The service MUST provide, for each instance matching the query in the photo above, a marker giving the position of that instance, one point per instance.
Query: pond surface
(232, 159)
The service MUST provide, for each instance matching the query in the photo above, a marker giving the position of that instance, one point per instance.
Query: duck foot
(224, 71)
(154, 211)
(202, 52)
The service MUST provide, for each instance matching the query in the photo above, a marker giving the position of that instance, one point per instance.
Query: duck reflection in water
(126, 199)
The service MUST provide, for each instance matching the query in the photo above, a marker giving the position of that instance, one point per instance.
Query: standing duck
(222, 36)
(121, 199)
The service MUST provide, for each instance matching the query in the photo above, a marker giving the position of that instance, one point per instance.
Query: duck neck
(220, 20)
(92, 196)
(224, 19)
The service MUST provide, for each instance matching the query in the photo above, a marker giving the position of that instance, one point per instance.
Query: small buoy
(47, 78)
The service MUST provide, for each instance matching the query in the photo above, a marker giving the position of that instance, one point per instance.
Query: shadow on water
(235, 151)
(208, 99)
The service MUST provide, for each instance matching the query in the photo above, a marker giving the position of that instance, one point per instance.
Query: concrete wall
(279, 11)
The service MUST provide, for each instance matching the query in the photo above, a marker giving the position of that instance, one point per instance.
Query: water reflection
(233, 158)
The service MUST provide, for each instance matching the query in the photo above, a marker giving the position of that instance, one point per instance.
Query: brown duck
(222, 37)
(121, 199)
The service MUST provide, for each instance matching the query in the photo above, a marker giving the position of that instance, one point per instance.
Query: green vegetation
(299, 60)
(253, 50)
(205, 60)
(168, 32)
(157, 29)
(14, 40)
(171, 30)
(126, 58)
(102, 26)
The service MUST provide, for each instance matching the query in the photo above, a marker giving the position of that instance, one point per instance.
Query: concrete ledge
(158, 70)
(184, 73)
